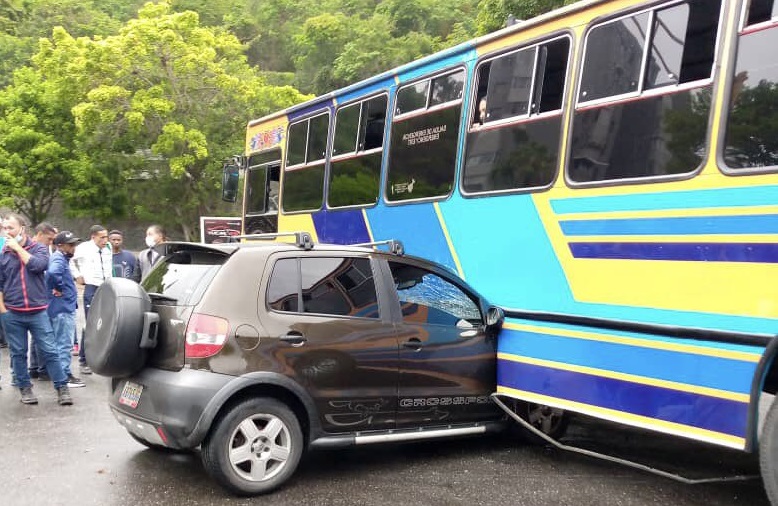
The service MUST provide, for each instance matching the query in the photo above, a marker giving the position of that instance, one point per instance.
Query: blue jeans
(35, 364)
(64, 325)
(17, 324)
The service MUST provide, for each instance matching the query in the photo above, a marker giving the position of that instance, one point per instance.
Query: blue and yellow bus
(606, 172)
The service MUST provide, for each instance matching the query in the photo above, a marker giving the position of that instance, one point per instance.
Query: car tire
(114, 328)
(254, 448)
(768, 453)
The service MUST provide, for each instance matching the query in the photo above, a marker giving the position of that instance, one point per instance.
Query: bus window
(355, 168)
(412, 98)
(514, 145)
(751, 139)
(304, 172)
(645, 117)
(423, 151)
(760, 11)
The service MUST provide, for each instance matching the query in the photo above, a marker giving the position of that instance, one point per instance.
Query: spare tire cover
(114, 328)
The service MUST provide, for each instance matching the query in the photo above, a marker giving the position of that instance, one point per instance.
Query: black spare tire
(114, 328)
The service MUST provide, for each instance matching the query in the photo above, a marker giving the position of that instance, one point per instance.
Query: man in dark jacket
(63, 300)
(23, 302)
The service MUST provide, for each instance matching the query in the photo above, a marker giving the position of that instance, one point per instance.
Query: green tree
(37, 154)
(493, 14)
(157, 107)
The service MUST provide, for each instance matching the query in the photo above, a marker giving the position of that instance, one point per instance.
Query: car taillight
(205, 336)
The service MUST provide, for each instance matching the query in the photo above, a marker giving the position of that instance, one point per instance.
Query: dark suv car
(255, 352)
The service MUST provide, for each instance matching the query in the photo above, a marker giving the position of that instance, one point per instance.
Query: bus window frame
(526, 118)
(719, 47)
(459, 67)
(266, 165)
(307, 165)
(357, 152)
(742, 29)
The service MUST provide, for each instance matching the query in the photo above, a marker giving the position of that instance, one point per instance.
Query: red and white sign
(214, 229)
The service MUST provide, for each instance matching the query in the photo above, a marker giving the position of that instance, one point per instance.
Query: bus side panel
(690, 388)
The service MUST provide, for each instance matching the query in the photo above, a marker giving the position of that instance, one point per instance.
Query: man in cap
(63, 300)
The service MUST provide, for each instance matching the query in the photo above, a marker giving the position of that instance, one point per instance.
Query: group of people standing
(39, 296)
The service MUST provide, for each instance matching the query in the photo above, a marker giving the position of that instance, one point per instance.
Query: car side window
(427, 298)
(323, 285)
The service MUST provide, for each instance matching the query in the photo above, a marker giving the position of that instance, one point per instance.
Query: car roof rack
(395, 247)
(301, 239)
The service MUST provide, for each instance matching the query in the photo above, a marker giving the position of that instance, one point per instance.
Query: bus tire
(768, 454)
(552, 422)
(114, 328)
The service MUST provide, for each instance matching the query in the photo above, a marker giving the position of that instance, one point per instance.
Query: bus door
(263, 174)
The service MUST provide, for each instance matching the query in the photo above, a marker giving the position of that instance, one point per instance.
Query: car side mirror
(495, 317)
(230, 179)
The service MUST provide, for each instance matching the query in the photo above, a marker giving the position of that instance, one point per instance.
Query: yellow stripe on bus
(448, 241)
(643, 343)
(613, 415)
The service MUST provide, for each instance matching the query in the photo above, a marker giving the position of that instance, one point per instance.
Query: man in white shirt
(92, 264)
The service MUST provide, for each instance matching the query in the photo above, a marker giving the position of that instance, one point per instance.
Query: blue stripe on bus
(687, 368)
(417, 226)
(686, 225)
(350, 94)
(715, 345)
(701, 411)
(696, 252)
(318, 106)
(454, 57)
(724, 197)
(345, 226)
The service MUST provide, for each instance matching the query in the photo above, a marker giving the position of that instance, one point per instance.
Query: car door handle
(294, 338)
(413, 344)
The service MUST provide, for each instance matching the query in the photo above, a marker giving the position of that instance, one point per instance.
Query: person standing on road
(155, 235)
(63, 300)
(92, 265)
(124, 262)
(23, 304)
(44, 234)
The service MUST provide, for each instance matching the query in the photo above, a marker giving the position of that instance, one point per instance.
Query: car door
(447, 361)
(330, 333)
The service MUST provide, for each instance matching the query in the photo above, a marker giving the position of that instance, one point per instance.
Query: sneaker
(3, 344)
(63, 396)
(74, 382)
(34, 374)
(75, 350)
(84, 369)
(27, 396)
(43, 376)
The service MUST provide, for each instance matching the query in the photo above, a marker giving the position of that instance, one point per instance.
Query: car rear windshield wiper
(162, 297)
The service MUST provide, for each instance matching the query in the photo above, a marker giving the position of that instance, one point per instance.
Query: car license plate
(131, 394)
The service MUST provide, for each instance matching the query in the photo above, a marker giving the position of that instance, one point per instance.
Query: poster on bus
(216, 229)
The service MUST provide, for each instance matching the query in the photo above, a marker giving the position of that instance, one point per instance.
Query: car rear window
(183, 276)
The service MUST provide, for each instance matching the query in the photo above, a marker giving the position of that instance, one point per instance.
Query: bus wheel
(768, 454)
(550, 421)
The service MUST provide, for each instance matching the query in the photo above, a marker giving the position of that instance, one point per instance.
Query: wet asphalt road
(80, 456)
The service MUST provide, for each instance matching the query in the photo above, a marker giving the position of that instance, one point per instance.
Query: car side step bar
(395, 436)
(610, 458)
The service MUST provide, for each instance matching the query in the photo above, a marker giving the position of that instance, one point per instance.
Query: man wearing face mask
(155, 235)
(92, 264)
(63, 300)
(23, 304)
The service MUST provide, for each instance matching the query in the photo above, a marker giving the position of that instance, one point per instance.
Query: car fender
(246, 381)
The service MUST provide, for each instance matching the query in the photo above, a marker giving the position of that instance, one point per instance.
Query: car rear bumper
(169, 407)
